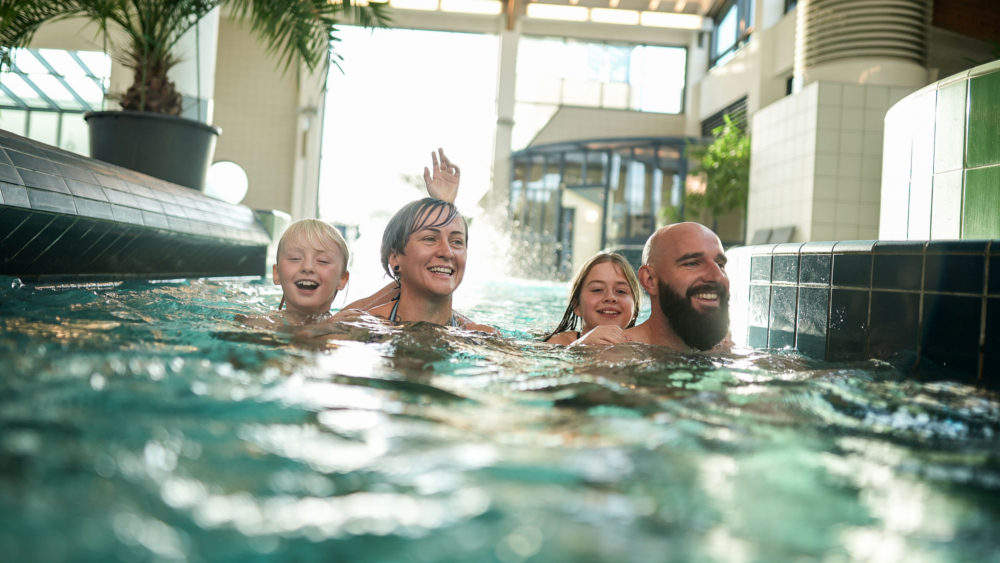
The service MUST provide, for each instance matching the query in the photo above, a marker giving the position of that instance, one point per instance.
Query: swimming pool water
(142, 423)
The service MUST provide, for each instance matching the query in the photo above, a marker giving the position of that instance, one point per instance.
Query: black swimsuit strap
(392, 316)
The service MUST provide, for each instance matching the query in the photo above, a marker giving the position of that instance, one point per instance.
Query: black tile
(786, 248)
(815, 268)
(148, 204)
(995, 247)
(9, 142)
(991, 359)
(976, 246)
(852, 246)
(954, 273)
(895, 323)
(154, 220)
(950, 336)
(4, 159)
(782, 321)
(852, 270)
(848, 325)
(760, 268)
(78, 174)
(22, 160)
(109, 182)
(9, 174)
(760, 305)
(51, 201)
(126, 214)
(41, 181)
(812, 321)
(819, 247)
(179, 225)
(120, 198)
(15, 196)
(785, 268)
(41, 230)
(994, 288)
(12, 220)
(95, 209)
(63, 255)
(140, 190)
(175, 210)
(89, 191)
(897, 271)
(899, 247)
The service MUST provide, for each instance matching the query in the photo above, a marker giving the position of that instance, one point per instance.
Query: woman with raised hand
(605, 299)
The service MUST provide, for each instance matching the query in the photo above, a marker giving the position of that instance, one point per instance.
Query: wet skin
(309, 278)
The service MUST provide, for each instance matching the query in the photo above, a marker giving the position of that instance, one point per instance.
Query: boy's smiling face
(309, 277)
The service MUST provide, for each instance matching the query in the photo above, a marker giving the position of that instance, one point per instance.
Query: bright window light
(430, 5)
(604, 15)
(490, 7)
(663, 19)
(554, 12)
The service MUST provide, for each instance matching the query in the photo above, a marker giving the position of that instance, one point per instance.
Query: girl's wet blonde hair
(570, 317)
(320, 235)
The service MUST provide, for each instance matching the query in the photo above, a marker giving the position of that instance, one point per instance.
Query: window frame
(744, 29)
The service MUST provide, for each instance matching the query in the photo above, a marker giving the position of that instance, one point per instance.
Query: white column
(194, 76)
(308, 141)
(506, 81)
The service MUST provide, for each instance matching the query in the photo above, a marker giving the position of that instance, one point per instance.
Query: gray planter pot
(170, 148)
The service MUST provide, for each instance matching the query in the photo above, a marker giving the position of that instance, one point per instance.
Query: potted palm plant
(148, 135)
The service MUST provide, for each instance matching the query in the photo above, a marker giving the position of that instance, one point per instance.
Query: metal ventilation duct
(845, 29)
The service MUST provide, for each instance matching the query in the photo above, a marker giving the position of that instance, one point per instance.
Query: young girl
(606, 295)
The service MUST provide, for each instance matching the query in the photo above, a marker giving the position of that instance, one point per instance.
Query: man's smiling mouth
(707, 296)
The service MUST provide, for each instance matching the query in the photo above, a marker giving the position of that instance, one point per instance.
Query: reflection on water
(143, 424)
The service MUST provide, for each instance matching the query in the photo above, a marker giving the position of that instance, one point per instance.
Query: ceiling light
(623, 17)
(663, 19)
(555, 12)
(489, 7)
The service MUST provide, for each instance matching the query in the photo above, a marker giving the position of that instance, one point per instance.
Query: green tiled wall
(951, 188)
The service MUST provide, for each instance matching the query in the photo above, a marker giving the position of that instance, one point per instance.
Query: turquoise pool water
(143, 423)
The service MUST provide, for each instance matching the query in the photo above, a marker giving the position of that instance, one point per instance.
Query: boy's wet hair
(570, 317)
(318, 235)
(411, 218)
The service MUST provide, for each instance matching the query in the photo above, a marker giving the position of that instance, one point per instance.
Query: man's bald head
(670, 237)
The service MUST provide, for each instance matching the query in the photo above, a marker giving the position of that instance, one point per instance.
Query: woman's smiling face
(605, 297)
(433, 262)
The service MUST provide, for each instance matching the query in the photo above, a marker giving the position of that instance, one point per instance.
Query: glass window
(44, 127)
(733, 26)
(597, 164)
(74, 134)
(573, 169)
(726, 33)
(14, 120)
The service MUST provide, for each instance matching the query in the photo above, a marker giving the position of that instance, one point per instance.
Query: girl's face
(308, 277)
(605, 298)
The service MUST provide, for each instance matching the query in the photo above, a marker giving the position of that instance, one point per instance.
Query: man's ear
(344, 278)
(648, 280)
(274, 274)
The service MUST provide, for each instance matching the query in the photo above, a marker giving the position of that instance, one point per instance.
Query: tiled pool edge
(855, 300)
(65, 217)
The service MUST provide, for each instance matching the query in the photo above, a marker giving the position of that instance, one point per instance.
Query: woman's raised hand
(603, 335)
(442, 183)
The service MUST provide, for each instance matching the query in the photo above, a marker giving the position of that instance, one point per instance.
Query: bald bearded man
(684, 271)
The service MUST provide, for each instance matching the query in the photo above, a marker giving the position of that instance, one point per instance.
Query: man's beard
(698, 330)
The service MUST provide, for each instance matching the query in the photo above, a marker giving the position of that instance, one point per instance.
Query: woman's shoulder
(467, 324)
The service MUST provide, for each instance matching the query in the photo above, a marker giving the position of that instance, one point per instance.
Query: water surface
(143, 423)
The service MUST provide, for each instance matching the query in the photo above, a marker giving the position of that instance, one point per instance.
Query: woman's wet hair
(416, 215)
(570, 318)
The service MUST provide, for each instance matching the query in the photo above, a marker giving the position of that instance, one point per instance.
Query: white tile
(828, 118)
(871, 168)
(852, 119)
(823, 231)
(898, 93)
(877, 97)
(853, 96)
(848, 189)
(871, 191)
(849, 166)
(851, 142)
(847, 213)
(846, 232)
(827, 140)
(809, 142)
(824, 211)
(868, 214)
(874, 120)
(829, 94)
(826, 164)
(825, 188)
(868, 233)
(872, 145)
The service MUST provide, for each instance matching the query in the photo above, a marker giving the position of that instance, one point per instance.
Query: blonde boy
(311, 266)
